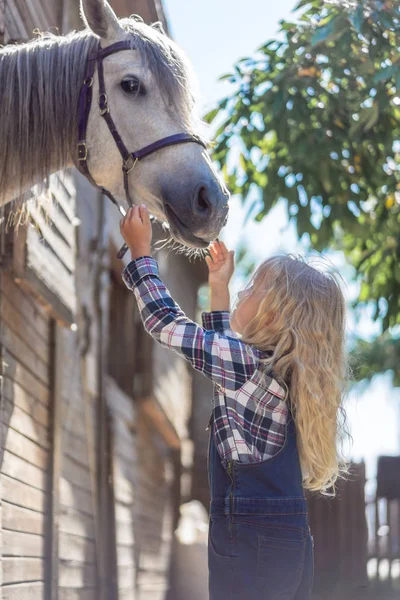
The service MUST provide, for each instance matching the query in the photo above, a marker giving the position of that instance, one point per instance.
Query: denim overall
(260, 546)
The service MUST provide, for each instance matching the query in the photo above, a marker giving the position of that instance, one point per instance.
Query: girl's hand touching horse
(136, 231)
(221, 264)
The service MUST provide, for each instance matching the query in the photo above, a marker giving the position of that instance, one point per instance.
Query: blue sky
(215, 34)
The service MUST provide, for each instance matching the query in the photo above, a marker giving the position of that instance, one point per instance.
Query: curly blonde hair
(300, 323)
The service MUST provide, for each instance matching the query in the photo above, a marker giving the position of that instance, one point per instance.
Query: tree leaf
(358, 17)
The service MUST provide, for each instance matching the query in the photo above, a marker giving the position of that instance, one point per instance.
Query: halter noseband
(129, 159)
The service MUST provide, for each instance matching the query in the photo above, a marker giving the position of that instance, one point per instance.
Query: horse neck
(38, 126)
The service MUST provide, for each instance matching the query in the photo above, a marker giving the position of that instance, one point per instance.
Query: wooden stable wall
(26, 433)
(90, 441)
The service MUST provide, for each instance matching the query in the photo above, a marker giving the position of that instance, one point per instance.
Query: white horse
(149, 99)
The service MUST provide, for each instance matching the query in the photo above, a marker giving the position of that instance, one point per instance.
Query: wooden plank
(15, 319)
(19, 420)
(124, 534)
(119, 403)
(64, 191)
(127, 452)
(16, 346)
(16, 371)
(15, 25)
(123, 514)
(85, 593)
(24, 591)
(72, 547)
(21, 519)
(77, 523)
(20, 469)
(62, 250)
(127, 577)
(23, 544)
(75, 497)
(50, 270)
(56, 455)
(33, 312)
(22, 569)
(77, 576)
(75, 447)
(23, 447)
(63, 225)
(75, 473)
(21, 494)
(126, 555)
(24, 400)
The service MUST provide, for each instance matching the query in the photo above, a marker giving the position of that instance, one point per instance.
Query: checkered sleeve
(218, 320)
(223, 359)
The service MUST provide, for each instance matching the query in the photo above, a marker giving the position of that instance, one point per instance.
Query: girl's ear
(100, 18)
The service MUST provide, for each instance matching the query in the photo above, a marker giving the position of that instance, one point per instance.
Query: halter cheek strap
(129, 159)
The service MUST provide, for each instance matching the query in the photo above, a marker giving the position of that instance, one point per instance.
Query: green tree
(315, 119)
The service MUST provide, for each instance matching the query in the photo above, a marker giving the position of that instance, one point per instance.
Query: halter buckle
(103, 104)
(82, 151)
(129, 164)
(88, 81)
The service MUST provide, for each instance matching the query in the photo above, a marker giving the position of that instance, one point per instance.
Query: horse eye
(132, 85)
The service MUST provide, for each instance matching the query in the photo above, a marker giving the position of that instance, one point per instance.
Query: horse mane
(40, 82)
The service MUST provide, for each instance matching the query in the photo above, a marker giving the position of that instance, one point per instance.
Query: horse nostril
(203, 204)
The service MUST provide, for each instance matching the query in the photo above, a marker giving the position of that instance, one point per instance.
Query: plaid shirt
(249, 407)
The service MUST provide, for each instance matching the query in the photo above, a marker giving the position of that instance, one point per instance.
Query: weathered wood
(22, 569)
(19, 420)
(20, 469)
(15, 25)
(57, 365)
(124, 534)
(74, 497)
(23, 447)
(126, 555)
(24, 400)
(75, 522)
(120, 404)
(31, 310)
(23, 544)
(15, 319)
(62, 250)
(24, 591)
(21, 494)
(77, 576)
(17, 347)
(72, 547)
(16, 371)
(123, 514)
(75, 473)
(78, 594)
(126, 577)
(21, 519)
(75, 446)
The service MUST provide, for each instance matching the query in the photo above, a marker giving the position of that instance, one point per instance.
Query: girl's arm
(223, 359)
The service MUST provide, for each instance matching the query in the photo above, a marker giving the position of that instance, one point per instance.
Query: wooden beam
(56, 431)
(153, 411)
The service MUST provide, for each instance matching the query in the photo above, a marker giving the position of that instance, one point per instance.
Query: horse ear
(100, 18)
(159, 26)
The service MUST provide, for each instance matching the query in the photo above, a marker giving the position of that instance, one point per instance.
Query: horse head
(148, 95)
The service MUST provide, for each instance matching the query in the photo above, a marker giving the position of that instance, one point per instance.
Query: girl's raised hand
(221, 264)
(136, 231)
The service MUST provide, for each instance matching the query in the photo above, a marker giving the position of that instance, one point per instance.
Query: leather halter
(129, 159)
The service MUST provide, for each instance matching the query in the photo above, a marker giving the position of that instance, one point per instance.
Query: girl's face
(246, 309)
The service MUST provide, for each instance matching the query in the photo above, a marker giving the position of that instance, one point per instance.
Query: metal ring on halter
(103, 104)
(130, 164)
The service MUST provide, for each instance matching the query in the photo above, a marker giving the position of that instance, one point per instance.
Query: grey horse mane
(40, 82)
